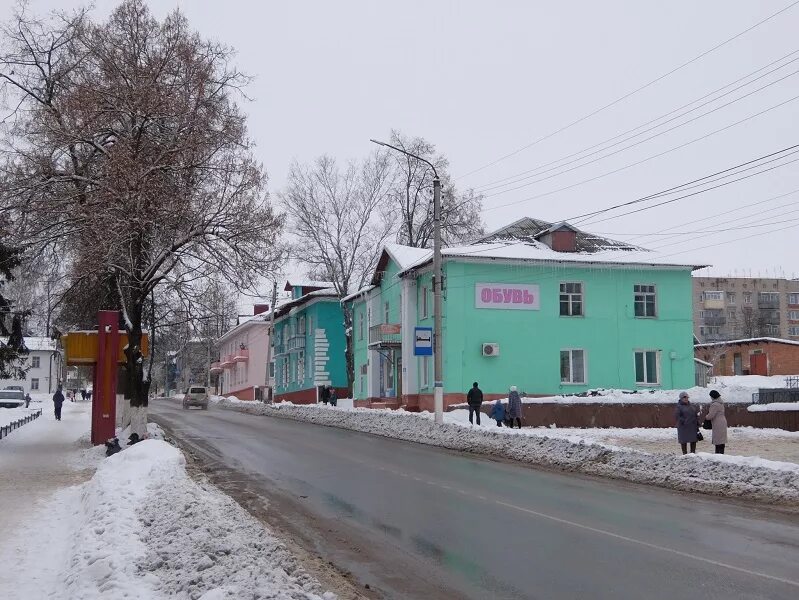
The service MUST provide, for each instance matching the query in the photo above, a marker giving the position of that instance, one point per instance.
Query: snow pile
(774, 406)
(9, 415)
(141, 528)
(691, 474)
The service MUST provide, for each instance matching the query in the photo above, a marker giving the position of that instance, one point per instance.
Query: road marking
(648, 544)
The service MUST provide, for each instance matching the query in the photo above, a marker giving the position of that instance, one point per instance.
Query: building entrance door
(758, 364)
(737, 365)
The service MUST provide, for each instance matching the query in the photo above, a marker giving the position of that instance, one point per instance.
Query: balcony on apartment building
(242, 355)
(768, 301)
(226, 361)
(715, 318)
(385, 335)
(296, 342)
(216, 367)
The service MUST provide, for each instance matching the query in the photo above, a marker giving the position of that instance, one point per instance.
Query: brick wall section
(783, 359)
(306, 396)
(627, 416)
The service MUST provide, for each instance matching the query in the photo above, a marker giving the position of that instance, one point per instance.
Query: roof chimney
(258, 309)
(561, 237)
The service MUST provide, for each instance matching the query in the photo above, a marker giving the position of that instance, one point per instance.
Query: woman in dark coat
(687, 417)
(514, 407)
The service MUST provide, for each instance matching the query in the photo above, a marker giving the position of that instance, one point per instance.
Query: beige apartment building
(730, 308)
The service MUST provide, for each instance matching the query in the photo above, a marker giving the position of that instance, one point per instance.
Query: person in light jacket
(514, 407)
(715, 415)
(687, 417)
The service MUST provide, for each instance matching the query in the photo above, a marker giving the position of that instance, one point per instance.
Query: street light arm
(424, 160)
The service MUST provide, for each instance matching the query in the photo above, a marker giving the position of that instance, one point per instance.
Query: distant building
(753, 356)
(43, 364)
(545, 307)
(241, 368)
(728, 308)
(309, 343)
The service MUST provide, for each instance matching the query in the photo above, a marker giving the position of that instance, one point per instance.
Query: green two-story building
(547, 308)
(309, 343)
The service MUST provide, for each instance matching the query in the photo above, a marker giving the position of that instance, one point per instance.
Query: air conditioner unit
(490, 349)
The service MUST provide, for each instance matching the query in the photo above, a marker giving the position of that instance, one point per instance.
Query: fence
(6, 429)
(767, 396)
(792, 382)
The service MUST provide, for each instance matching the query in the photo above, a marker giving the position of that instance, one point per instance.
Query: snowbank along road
(414, 521)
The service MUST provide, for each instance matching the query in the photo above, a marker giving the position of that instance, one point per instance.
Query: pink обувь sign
(507, 296)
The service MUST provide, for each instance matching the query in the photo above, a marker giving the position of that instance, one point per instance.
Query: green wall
(530, 341)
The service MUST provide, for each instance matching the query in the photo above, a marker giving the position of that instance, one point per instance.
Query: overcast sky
(484, 79)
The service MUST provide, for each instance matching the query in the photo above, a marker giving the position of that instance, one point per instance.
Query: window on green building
(646, 367)
(360, 326)
(645, 300)
(425, 371)
(301, 366)
(572, 366)
(571, 299)
(424, 302)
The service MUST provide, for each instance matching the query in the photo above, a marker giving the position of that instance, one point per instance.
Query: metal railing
(6, 429)
(296, 342)
(768, 396)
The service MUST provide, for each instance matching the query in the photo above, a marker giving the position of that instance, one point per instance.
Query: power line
(683, 185)
(647, 159)
(696, 193)
(633, 92)
(541, 169)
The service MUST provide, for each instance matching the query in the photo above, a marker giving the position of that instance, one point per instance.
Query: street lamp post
(438, 362)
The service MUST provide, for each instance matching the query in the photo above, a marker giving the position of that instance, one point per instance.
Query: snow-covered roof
(754, 340)
(405, 256)
(360, 292)
(35, 343)
(292, 283)
(537, 252)
(529, 229)
(284, 308)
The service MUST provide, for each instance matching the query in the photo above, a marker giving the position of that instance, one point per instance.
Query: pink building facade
(242, 368)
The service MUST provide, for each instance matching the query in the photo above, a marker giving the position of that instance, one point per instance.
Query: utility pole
(438, 362)
(438, 359)
(270, 388)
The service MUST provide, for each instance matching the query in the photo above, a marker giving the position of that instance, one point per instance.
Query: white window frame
(793, 315)
(571, 297)
(793, 330)
(424, 302)
(653, 293)
(36, 362)
(793, 298)
(747, 297)
(701, 314)
(657, 367)
(714, 295)
(730, 297)
(34, 384)
(731, 314)
(571, 352)
(360, 326)
(301, 366)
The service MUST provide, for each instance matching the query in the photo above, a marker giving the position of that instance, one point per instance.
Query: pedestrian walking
(498, 412)
(324, 394)
(58, 400)
(687, 417)
(83, 395)
(718, 420)
(333, 397)
(27, 400)
(474, 398)
(514, 407)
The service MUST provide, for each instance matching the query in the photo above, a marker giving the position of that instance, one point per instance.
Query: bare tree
(128, 153)
(411, 197)
(12, 348)
(340, 222)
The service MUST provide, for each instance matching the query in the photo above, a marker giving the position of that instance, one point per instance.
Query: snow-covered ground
(571, 450)
(9, 415)
(77, 525)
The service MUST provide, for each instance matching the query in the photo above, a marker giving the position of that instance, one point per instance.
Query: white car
(12, 398)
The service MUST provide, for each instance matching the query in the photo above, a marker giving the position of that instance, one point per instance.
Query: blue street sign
(423, 341)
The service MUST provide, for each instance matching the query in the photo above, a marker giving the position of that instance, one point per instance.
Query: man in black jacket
(474, 399)
(58, 400)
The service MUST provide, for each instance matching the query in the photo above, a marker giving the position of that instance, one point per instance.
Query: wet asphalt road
(420, 522)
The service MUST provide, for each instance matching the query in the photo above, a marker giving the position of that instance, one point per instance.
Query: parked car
(196, 395)
(15, 387)
(12, 398)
